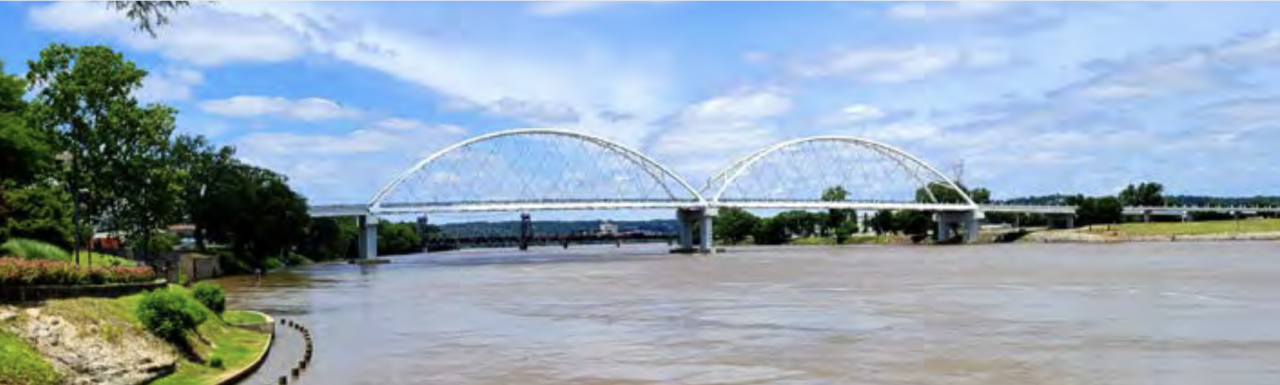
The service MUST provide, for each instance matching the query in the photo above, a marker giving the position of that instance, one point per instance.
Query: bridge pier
(526, 230)
(693, 217)
(367, 236)
(1061, 221)
(966, 220)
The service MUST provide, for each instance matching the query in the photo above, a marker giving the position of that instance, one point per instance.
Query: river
(1138, 313)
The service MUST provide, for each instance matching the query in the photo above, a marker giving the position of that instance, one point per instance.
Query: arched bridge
(550, 169)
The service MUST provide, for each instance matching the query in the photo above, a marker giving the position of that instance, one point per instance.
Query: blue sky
(1033, 98)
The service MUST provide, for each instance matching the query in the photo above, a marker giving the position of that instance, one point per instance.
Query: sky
(1031, 98)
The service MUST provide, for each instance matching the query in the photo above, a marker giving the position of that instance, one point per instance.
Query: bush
(14, 271)
(211, 296)
(215, 362)
(32, 249)
(169, 315)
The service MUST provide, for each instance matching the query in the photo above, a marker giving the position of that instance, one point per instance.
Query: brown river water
(1140, 313)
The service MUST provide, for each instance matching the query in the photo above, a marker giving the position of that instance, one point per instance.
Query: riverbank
(102, 341)
(1242, 230)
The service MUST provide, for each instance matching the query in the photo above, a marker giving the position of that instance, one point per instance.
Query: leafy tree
(735, 225)
(85, 99)
(254, 210)
(197, 162)
(884, 223)
(770, 232)
(1144, 194)
(913, 222)
(24, 152)
(1091, 211)
(836, 218)
(398, 238)
(38, 211)
(330, 238)
(980, 195)
(148, 14)
(799, 222)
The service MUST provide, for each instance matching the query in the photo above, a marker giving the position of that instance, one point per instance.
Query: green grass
(1193, 228)
(238, 317)
(32, 249)
(22, 365)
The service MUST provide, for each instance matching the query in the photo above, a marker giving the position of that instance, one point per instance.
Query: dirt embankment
(98, 348)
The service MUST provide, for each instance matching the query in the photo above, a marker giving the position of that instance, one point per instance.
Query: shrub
(168, 314)
(32, 249)
(14, 271)
(211, 296)
(215, 362)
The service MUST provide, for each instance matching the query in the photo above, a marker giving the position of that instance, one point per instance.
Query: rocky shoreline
(98, 351)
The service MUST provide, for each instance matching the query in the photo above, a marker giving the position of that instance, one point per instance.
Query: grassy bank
(1192, 228)
(20, 364)
(116, 319)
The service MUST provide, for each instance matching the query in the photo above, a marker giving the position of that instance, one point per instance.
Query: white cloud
(171, 84)
(307, 109)
(942, 11)
(535, 112)
(202, 35)
(567, 8)
(855, 114)
(899, 65)
(737, 108)
(1241, 112)
(712, 133)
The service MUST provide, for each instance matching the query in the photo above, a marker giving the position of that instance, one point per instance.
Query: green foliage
(398, 238)
(25, 154)
(913, 222)
(255, 211)
(1144, 194)
(160, 243)
(770, 232)
(801, 222)
(883, 223)
(38, 211)
(169, 314)
(33, 249)
(1090, 211)
(14, 271)
(836, 218)
(330, 238)
(215, 362)
(20, 364)
(211, 296)
(734, 225)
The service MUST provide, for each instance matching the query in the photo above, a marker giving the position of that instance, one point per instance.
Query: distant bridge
(529, 170)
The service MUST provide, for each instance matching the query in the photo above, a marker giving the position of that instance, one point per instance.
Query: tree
(197, 162)
(734, 225)
(799, 222)
(770, 232)
(38, 211)
(836, 218)
(884, 223)
(398, 238)
(1144, 194)
(980, 195)
(1091, 211)
(24, 152)
(148, 14)
(254, 210)
(85, 100)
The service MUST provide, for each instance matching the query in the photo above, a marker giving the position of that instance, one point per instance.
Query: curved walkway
(290, 347)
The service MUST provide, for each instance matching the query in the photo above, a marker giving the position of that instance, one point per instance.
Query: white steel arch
(649, 166)
(726, 177)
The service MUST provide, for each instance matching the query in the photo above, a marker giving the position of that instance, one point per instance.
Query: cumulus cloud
(171, 84)
(959, 10)
(201, 35)
(307, 109)
(712, 133)
(905, 64)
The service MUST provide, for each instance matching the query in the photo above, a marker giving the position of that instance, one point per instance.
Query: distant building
(608, 228)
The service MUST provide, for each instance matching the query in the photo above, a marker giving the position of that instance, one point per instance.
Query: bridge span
(527, 170)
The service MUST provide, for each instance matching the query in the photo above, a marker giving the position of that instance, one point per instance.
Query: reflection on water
(1186, 313)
